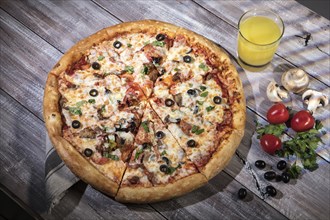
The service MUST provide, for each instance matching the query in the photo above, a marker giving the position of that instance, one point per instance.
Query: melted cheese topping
(122, 62)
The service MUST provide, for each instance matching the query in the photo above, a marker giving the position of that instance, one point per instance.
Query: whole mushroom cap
(295, 80)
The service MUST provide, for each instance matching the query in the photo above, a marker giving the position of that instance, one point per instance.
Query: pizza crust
(86, 171)
(71, 157)
(160, 193)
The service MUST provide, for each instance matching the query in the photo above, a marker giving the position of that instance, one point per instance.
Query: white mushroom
(314, 99)
(275, 93)
(295, 80)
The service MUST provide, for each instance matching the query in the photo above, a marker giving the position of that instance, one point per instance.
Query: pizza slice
(101, 116)
(197, 114)
(158, 168)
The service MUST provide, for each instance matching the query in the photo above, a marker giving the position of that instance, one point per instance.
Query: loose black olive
(242, 193)
(156, 60)
(187, 59)
(88, 152)
(145, 145)
(278, 178)
(160, 37)
(191, 92)
(260, 164)
(217, 99)
(270, 175)
(96, 66)
(166, 160)
(117, 44)
(75, 124)
(286, 177)
(164, 168)
(281, 165)
(169, 102)
(160, 134)
(93, 92)
(191, 143)
(270, 190)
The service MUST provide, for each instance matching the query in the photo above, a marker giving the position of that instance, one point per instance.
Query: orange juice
(258, 40)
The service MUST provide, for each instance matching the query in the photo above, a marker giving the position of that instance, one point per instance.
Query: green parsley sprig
(302, 145)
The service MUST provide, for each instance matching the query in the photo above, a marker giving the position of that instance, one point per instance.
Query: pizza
(145, 111)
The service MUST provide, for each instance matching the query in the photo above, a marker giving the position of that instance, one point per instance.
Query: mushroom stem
(275, 93)
(314, 99)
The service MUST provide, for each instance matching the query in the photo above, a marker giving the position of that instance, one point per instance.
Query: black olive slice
(169, 102)
(75, 124)
(191, 143)
(93, 92)
(217, 99)
(166, 160)
(96, 66)
(88, 152)
(156, 60)
(117, 44)
(160, 37)
(164, 168)
(187, 59)
(191, 92)
(160, 134)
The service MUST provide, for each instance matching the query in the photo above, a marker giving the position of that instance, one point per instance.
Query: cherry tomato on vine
(270, 143)
(302, 121)
(278, 114)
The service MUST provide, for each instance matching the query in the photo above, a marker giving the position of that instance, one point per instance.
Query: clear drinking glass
(260, 32)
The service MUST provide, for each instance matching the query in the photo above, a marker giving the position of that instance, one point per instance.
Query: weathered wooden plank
(218, 200)
(61, 23)
(23, 139)
(22, 153)
(25, 60)
(299, 21)
(255, 84)
(187, 23)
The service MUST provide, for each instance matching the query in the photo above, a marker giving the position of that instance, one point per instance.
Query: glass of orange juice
(260, 32)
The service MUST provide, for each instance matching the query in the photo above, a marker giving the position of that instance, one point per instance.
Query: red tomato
(302, 121)
(278, 114)
(270, 143)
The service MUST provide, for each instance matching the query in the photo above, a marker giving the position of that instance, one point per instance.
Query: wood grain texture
(299, 21)
(28, 57)
(61, 23)
(25, 60)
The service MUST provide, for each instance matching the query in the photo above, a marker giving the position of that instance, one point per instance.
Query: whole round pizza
(145, 111)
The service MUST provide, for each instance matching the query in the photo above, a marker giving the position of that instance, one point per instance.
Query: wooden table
(35, 34)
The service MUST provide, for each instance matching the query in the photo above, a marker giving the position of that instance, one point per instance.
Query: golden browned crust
(86, 171)
(161, 192)
(71, 157)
